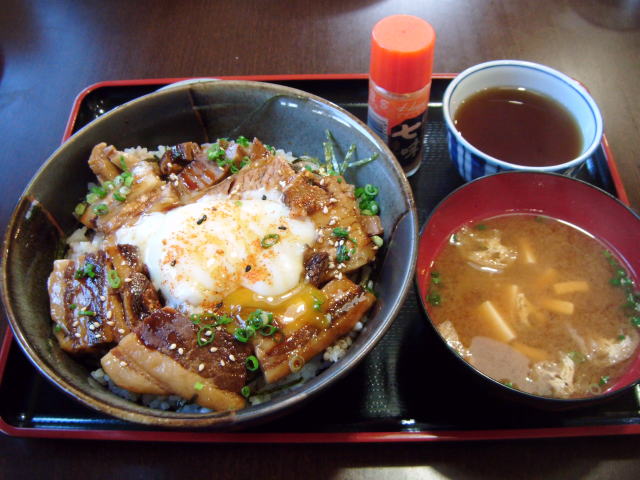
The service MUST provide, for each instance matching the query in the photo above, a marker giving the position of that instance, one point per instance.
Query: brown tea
(519, 126)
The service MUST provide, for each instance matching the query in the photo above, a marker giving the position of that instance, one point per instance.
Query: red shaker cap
(402, 53)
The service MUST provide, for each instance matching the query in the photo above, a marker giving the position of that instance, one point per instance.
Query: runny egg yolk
(300, 306)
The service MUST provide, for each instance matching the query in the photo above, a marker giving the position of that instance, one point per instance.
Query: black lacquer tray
(409, 388)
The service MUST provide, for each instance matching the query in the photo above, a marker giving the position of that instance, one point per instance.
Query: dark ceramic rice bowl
(286, 118)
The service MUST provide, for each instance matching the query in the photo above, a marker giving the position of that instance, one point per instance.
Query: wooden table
(51, 50)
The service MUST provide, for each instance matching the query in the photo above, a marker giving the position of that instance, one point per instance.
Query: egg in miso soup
(535, 303)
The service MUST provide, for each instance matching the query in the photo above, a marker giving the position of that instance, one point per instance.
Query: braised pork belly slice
(90, 312)
(344, 243)
(347, 303)
(162, 354)
(138, 296)
(265, 170)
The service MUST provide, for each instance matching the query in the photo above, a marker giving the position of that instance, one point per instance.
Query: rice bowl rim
(250, 414)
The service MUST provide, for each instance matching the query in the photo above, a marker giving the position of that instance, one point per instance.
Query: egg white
(196, 262)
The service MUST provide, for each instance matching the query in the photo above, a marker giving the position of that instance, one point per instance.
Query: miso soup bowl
(472, 162)
(564, 198)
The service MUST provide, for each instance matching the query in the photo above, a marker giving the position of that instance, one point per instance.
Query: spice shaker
(399, 85)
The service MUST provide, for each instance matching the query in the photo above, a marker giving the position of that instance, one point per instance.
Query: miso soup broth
(530, 302)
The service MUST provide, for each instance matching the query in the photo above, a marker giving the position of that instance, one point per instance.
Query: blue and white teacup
(473, 163)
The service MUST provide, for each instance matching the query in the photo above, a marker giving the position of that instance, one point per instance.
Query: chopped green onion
(223, 320)
(268, 330)
(119, 197)
(87, 270)
(269, 240)
(603, 380)
(296, 362)
(57, 328)
(243, 141)
(198, 386)
(635, 321)
(244, 162)
(317, 303)
(205, 335)
(80, 209)
(507, 384)
(217, 154)
(340, 232)
(245, 391)
(87, 313)
(434, 299)
(100, 209)
(576, 357)
(127, 178)
(114, 279)
(99, 191)
(195, 318)
(278, 337)
(243, 334)
(252, 363)
(73, 306)
(108, 185)
(371, 190)
(480, 226)
(621, 337)
(377, 240)
(92, 198)
(342, 254)
(123, 164)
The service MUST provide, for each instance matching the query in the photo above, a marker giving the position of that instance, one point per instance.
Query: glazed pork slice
(91, 313)
(347, 304)
(344, 242)
(88, 313)
(162, 355)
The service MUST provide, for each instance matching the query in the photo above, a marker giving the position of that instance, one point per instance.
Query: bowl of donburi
(209, 255)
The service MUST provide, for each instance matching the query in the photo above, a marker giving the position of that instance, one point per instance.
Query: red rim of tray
(338, 437)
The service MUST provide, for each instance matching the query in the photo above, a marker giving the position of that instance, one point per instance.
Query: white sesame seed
(374, 247)
(169, 164)
(341, 242)
(332, 222)
(201, 367)
(331, 242)
(173, 177)
(75, 323)
(180, 351)
(213, 349)
(127, 280)
(102, 298)
(172, 346)
(332, 265)
(349, 228)
(339, 276)
(92, 327)
(320, 240)
(332, 200)
(121, 330)
(123, 363)
(232, 357)
(77, 335)
(222, 363)
(208, 333)
(111, 323)
(109, 314)
(98, 335)
(322, 179)
(325, 209)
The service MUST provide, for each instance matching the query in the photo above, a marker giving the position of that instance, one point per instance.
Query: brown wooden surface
(51, 50)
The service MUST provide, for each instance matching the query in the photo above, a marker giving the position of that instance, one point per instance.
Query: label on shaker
(399, 120)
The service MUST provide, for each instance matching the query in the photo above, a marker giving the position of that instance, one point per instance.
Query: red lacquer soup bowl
(615, 225)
